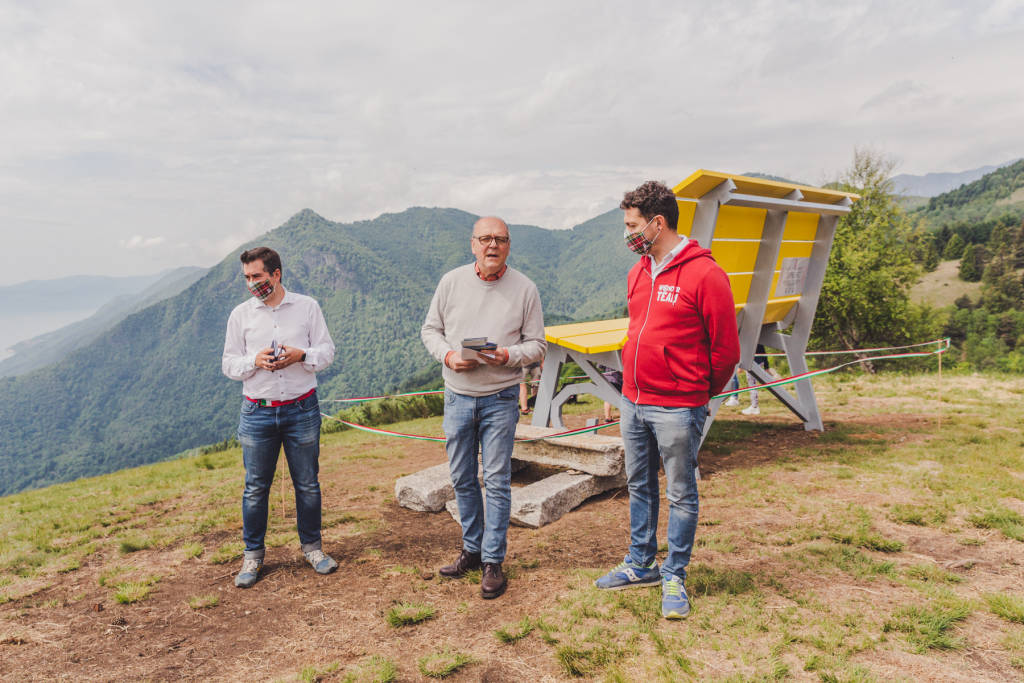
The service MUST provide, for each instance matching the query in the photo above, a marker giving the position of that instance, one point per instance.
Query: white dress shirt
(296, 322)
(658, 267)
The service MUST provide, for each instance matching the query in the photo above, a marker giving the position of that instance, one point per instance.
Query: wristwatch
(303, 359)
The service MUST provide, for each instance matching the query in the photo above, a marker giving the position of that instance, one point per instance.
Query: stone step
(602, 456)
(428, 490)
(545, 501)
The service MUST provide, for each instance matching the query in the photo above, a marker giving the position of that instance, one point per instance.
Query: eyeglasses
(484, 240)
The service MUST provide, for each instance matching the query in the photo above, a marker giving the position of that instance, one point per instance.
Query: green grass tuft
(1007, 521)
(577, 661)
(133, 545)
(129, 592)
(375, 669)
(929, 573)
(203, 601)
(704, 580)
(513, 633)
(409, 613)
(929, 628)
(442, 664)
(227, 552)
(918, 515)
(192, 550)
(313, 674)
(1007, 605)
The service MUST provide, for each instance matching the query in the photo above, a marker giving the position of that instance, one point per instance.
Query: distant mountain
(933, 184)
(74, 293)
(150, 386)
(780, 179)
(53, 346)
(992, 196)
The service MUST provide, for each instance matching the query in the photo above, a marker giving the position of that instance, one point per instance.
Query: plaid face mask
(261, 290)
(637, 241)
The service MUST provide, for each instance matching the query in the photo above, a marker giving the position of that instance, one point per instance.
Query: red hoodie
(683, 346)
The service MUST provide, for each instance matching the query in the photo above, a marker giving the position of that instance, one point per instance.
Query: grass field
(889, 547)
(943, 286)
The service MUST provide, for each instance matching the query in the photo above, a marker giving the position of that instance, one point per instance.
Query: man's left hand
(286, 356)
(495, 357)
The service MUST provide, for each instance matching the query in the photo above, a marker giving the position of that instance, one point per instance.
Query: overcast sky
(141, 136)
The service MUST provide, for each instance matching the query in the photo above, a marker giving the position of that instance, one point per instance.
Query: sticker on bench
(792, 276)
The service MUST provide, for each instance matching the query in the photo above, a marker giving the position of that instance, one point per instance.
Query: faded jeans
(262, 431)
(672, 436)
(485, 425)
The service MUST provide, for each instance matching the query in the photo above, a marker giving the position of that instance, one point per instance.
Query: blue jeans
(262, 432)
(672, 436)
(485, 424)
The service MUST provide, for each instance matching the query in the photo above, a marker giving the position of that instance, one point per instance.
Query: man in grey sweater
(485, 299)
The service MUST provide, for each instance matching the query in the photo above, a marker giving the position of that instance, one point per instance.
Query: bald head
(492, 251)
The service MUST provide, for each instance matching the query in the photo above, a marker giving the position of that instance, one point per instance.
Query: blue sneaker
(674, 602)
(629, 575)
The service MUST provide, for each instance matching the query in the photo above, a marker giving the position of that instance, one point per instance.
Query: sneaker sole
(636, 584)
(675, 616)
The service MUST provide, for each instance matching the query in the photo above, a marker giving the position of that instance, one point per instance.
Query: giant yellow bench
(773, 239)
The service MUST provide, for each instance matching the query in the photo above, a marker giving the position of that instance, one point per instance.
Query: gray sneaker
(250, 573)
(321, 561)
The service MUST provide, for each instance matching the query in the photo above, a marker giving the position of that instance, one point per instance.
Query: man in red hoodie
(682, 350)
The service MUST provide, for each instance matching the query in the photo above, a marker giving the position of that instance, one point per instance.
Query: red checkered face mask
(637, 241)
(261, 290)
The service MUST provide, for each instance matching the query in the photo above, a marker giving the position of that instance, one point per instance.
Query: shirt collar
(289, 298)
(490, 278)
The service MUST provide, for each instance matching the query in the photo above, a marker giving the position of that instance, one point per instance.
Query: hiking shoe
(250, 573)
(675, 604)
(321, 561)
(732, 401)
(752, 410)
(467, 561)
(493, 582)
(629, 575)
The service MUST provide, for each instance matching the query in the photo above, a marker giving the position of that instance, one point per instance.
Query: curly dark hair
(653, 199)
(271, 259)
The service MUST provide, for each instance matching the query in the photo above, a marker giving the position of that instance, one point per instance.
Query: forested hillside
(151, 386)
(992, 196)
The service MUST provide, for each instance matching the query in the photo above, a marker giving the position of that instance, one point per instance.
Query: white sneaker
(321, 561)
(732, 401)
(752, 410)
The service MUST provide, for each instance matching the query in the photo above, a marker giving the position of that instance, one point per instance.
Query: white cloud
(211, 123)
(140, 242)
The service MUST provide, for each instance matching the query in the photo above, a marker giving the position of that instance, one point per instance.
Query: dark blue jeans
(262, 432)
(671, 436)
(484, 425)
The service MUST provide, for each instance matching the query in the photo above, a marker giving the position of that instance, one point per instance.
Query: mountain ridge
(151, 387)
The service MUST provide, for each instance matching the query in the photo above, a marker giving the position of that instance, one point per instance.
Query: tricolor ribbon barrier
(942, 346)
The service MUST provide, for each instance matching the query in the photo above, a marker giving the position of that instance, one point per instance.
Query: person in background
(528, 387)
(614, 378)
(275, 344)
(681, 350)
(761, 359)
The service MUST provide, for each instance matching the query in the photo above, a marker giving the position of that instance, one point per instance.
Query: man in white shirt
(276, 342)
(486, 299)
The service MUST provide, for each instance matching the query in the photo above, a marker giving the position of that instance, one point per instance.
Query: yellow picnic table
(773, 240)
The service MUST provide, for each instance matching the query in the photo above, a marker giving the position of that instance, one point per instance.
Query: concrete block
(602, 456)
(427, 490)
(545, 501)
